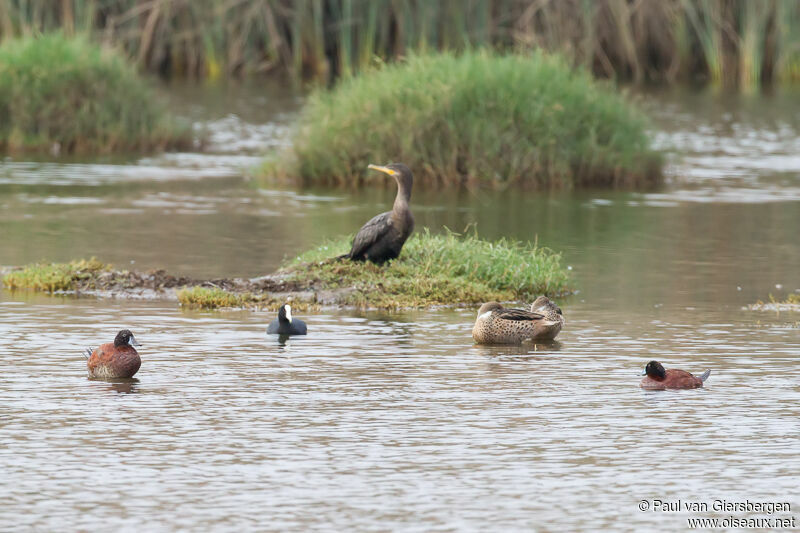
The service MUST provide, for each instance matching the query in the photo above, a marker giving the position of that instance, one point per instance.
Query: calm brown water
(397, 421)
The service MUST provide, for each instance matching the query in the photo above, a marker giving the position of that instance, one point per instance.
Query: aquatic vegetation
(52, 277)
(793, 298)
(736, 41)
(791, 303)
(67, 95)
(475, 118)
(212, 298)
(432, 270)
(202, 297)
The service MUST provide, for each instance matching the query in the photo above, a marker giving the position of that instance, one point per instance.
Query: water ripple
(377, 421)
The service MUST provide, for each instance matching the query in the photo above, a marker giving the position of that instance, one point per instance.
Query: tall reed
(744, 42)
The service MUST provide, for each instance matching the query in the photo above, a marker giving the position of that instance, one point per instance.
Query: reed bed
(473, 119)
(732, 42)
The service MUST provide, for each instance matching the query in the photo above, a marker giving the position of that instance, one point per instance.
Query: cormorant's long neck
(402, 198)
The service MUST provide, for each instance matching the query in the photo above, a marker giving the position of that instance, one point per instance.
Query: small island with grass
(433, 270)
(67, 95)
(475, 118)
(791, 303)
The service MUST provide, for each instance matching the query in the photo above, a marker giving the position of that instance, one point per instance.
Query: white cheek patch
(485, 315)
(289, 313)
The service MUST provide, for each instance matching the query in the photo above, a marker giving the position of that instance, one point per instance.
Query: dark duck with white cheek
(285, 324)
(660, 379)
(115, 360)
(382, 238)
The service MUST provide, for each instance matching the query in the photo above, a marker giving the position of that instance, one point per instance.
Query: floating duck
(552, 314)
(497, 325)
(115, 360)
(660, 379)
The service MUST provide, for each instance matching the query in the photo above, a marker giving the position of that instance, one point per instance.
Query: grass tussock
(52, 277)
(791, 299)
(213, 298)
(67, 95)
(216, 298)
(435, 270)
(475, 118)
(790, 304)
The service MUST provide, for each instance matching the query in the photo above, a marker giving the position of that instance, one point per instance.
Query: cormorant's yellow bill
(385, 170)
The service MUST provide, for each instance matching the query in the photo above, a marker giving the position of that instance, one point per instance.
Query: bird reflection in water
(519, 352)
(122, 386)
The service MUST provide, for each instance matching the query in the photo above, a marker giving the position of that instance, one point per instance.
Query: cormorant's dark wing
(519, 314)
(371, 233)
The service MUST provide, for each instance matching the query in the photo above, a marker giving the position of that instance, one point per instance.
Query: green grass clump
(792, 299)
(791, 303)
(435, 270)
(78, 97)
(475, 117)
(213, 298)
(51, 277)
(198, 297)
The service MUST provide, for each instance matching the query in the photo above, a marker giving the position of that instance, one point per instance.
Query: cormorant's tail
(87, 352)
(342, 257)
(704, 375)
(336, 259)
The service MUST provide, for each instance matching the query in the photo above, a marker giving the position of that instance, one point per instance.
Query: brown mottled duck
(382, 238)
(497, 325)
(554, 318)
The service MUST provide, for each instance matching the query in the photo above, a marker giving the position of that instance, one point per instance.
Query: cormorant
(382, 238)
(285, 324)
